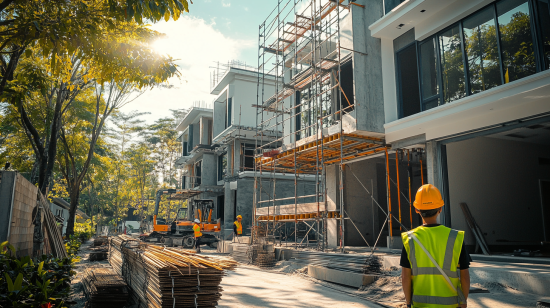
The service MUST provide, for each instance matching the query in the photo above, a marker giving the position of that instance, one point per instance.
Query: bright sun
(161, 46)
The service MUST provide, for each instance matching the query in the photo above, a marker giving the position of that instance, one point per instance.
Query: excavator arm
(157, 204)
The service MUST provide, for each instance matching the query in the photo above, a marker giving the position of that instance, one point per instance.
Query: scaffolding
(300, 46)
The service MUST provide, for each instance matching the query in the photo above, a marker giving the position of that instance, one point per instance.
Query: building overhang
(243, 132)
(233, 72)
(516, 100)
(406, 16)
(193, 117)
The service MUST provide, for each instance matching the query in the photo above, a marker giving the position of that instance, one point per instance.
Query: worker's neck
(430, 220)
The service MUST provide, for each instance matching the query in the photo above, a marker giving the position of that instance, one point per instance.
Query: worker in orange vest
(238, 226)
(198, 235)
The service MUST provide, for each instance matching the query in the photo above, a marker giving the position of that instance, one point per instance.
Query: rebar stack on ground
(167, 277)
(104, 288)
(240, 253)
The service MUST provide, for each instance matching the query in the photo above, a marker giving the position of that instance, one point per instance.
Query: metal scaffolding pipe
(388, 190)
(398, 187)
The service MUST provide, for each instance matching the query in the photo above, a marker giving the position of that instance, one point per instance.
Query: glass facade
(503, 42)
(480, 44)
(514, 27)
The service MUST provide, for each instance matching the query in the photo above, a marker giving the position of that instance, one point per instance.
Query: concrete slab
(530, 278)
(395, 242)
(510, 259)
(341, 277)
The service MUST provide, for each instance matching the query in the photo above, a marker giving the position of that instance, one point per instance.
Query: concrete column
(367, 67)
(237, 157)
(209, 166)
(245, 197)
(196, 135)
(436, 163)
(229, 204)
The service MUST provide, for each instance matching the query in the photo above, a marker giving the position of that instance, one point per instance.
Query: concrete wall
(196, 134)
(205, 133)
(209, 175)
(367, 69)
(499, 180)
(219, 114)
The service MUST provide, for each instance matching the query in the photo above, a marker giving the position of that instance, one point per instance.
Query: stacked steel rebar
(167, 277)
(104, 288)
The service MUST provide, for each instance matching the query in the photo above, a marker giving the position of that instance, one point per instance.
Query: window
(518, 56)
(428, 65)
(247, 157)
(452, 64)
(498, 44)
(222, 166)
(480, 44)
(190, 138)
(229, 119)
(407, 76)
(198, 169)
(543, 9)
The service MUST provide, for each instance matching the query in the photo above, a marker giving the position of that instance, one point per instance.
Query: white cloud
(196, 45)
(226, 3)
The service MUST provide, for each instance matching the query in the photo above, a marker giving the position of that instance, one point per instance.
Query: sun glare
(161, 46)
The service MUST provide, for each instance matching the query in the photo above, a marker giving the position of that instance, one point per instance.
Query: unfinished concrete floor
(249, 287)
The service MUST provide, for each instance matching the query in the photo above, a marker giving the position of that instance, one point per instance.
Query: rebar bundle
(167, 277)
(104, 288)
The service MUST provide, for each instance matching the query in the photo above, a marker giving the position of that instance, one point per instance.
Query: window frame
(400, 112)
(536, 36)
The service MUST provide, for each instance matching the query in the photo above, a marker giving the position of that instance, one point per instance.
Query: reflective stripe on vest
(425, 293)
(197, 230)
(239, 227)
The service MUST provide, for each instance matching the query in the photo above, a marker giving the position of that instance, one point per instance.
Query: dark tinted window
(407, 74)
(428, 77)
(544, 25)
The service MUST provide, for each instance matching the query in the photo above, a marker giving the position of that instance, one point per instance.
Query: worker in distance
(238, 226)
(435, 263)
(198, 235)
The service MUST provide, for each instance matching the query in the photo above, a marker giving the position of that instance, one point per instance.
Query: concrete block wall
(209, 172)
(367, 69)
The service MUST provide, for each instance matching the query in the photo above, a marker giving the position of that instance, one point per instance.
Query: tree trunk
(75, 195)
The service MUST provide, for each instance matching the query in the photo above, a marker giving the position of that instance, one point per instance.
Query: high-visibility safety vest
(430, 287)
(197, 230)
(239, 227)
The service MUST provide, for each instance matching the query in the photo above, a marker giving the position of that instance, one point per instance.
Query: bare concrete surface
(248, 287)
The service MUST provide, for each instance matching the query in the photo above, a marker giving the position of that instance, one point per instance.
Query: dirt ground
(288, 285)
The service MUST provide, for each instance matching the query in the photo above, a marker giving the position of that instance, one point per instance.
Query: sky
(213, 30)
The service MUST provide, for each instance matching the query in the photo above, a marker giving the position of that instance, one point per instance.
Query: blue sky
(214, 30)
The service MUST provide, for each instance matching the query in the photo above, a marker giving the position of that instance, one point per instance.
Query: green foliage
(83, 231)
(72, 244)
(28, 283)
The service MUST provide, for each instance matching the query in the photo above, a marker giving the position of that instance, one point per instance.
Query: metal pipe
(409, 174)
(398, 187)
(388, 189)
(421, 168)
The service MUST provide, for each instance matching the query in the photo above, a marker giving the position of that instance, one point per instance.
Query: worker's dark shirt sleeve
(463, 260)
(235, 228)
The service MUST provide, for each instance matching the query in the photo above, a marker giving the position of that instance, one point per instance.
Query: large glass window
(222, 166)
(452, 64)
(428, 65)
(543, 8)
(516, 39)
(480, 44)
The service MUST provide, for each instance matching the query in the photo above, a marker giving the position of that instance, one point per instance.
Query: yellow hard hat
(428, 197)
(239, 216)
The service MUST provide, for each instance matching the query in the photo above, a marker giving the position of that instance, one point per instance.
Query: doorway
(545, 203)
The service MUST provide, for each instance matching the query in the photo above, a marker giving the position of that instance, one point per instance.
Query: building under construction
(375, 98)
(328, 109)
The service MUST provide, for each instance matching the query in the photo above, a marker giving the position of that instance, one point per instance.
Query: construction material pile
(372, 265)
(101, 240)
(240, 253)
(104, 288)
(168, 277)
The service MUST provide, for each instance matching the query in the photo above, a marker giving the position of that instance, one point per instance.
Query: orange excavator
(180, 231)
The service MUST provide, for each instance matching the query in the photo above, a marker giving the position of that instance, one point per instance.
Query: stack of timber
(53, 233)
(168, 277)
(476, 230)
(104, 288)
(101, 240)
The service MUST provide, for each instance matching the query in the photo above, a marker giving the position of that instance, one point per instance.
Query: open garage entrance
(504, 178)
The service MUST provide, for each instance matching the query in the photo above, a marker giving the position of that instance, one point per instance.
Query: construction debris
(168, 277)
(101, 240)
(104, 288)
(372, 265)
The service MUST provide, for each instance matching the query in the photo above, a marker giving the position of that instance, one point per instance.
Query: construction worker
(198, 235)
(434, 259)
(238, 226)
